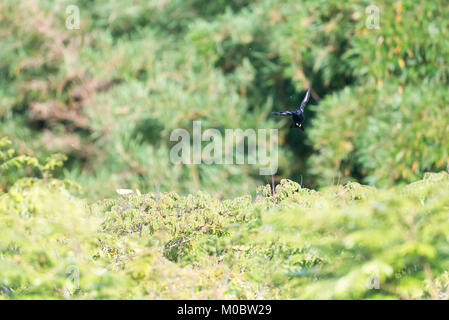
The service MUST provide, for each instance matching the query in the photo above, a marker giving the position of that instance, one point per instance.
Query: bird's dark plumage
(298, 114)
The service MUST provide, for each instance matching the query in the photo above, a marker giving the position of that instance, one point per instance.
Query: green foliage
(343, 242)
(46, 244)
(96, 106)
(295, 243)
(13, 166)
(396, 137)
(350, 233)
(108, 95)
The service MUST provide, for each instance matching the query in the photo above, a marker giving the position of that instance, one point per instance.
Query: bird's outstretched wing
(283, 113)
(305, 100)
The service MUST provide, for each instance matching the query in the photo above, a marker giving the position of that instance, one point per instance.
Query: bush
(343, 242)
(108, 95)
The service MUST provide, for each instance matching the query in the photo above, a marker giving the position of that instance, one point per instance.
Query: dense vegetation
(85, 112)
(109, 94)
(349, 241)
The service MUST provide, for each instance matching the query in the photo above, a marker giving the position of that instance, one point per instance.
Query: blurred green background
(109, 94)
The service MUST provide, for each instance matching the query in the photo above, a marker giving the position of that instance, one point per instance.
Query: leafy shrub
(297, 243)
(109, 94)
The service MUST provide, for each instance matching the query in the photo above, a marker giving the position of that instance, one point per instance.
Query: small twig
(273, 192)
(157, 193)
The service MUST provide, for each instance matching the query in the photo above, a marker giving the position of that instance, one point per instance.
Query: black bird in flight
(298, 114)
